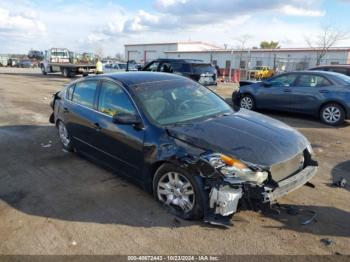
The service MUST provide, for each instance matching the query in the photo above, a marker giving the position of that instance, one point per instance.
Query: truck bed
(72, 65)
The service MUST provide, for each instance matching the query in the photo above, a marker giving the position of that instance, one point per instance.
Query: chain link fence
(280, 64)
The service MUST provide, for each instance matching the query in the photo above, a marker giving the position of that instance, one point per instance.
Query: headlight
(309, 148)
(230, 167)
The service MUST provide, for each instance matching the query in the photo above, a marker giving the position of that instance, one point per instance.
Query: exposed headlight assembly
(233, 168)
(309, 149)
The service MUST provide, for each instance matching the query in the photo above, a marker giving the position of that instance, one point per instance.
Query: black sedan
(322, 94)
(182, 142)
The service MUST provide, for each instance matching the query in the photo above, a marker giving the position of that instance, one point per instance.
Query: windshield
(61, 54)
(203, 69)
(172, 102)
(258, 68)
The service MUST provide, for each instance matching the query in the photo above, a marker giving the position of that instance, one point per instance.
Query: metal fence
(276, 63)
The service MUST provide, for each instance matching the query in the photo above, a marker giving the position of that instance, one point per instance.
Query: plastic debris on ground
(46, 145)
(327, 241)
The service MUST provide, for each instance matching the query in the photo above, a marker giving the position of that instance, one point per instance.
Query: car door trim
(106, 153)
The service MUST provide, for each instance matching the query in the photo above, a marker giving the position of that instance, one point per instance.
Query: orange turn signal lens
(232, 162)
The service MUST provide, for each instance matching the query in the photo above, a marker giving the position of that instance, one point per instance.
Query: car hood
(245, 135)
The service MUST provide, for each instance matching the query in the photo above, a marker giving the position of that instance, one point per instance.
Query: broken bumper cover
(224, 200)
(290, 184)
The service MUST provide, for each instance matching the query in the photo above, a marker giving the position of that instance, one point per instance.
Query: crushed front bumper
(289, 184)
(224, 200)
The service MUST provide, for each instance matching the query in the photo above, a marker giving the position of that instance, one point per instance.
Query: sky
(105, 26)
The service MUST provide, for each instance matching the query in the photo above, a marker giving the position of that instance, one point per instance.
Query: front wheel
(43, 71)
(177, 189)
(332, 114)
(64, 136)
(247, 102)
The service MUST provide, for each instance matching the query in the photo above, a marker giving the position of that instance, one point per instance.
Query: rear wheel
(175, 188)
(66, 72)
(332, 114)
(247, 102)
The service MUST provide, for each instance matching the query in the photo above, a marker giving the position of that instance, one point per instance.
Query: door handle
(287, 90)
(324, 91)
(97, 126)
(65, 110)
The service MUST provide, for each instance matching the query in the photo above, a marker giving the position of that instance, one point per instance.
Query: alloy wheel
(331, 114)
(63, 133)
(246, 103)
(176, 190)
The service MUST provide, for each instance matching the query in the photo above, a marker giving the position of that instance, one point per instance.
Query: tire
(64, 136)
(43, 70)
(247, 102)
(66, 72)
(187, 205)
(332, 114)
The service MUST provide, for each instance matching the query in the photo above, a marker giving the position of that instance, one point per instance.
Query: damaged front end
(230, 183)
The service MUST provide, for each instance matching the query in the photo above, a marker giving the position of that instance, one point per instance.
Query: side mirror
(128, 119)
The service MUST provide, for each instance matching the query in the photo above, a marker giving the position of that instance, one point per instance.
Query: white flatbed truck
(61, 60)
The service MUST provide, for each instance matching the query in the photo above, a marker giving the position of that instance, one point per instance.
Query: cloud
(19, 23)
(296, 11)
(86, 26)
(224, 8)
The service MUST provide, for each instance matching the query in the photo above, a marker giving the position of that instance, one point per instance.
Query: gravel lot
(53, 202)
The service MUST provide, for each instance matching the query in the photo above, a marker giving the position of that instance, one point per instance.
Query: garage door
(132, 55)
(150, 55)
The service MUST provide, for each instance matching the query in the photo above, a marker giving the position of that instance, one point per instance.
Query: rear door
(275, 94)
(80, 114)
(308, 93)
(121, 145)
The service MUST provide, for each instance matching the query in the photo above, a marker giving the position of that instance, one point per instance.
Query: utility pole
(231, 59)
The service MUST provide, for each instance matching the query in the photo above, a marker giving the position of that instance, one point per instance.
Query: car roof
(320, 72)
(190, 61)
(136, 78)
(334, 66)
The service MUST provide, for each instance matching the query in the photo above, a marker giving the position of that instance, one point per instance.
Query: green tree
(269, 45)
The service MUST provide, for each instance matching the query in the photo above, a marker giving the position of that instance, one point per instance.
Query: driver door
(121, 144)
(275, 93)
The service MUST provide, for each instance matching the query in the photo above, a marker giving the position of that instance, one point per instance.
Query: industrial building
(143, 53)
(282, 59)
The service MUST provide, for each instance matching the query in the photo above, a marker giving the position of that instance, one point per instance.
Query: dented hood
(245, 135)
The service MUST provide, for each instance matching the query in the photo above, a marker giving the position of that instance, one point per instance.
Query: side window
(84, 93)
(114, 100)
(152, 67)
(339, 70)
(283, 80)
(181, 68)
(69, 92)
(313, 81)
(166, 67)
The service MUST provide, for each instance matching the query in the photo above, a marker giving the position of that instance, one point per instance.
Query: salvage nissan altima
(177, 139)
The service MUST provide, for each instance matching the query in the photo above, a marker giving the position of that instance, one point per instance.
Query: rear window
(180, 67)
(340, 70)
(203, 69)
